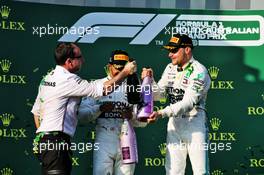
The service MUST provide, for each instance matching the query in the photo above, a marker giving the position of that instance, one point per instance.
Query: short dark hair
(63, 51)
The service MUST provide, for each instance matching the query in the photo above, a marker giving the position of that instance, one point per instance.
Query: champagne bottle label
(125, 153)
(147, 108)
(128, 143)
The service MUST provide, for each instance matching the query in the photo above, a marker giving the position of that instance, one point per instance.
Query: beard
(75, 69)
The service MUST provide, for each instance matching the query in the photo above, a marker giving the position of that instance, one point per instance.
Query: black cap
(179, 41)
(118, 59)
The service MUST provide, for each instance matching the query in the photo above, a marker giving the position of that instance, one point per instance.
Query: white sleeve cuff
(166, 112)
(100, 88)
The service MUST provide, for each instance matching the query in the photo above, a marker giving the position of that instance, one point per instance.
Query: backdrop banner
(228, 43)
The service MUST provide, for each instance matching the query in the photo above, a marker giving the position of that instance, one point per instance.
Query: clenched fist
(130, 67)
(146, 72)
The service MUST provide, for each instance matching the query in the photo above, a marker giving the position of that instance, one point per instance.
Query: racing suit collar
(62, 68)
(186, 65)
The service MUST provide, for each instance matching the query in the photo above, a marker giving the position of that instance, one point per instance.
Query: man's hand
(146, 72)
(127, 113)
(37, 121)
(106, 107)
(130, 67)
(154, 117)
(111, 84)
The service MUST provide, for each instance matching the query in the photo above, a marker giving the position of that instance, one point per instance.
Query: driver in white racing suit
(186, 82)
(107, 159)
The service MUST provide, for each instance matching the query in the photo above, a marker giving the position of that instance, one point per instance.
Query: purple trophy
(128, 143)
(147, 107)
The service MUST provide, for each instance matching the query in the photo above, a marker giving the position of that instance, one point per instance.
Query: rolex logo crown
(5, 65)
(162, 148)
(215, 123)
(217, 172)
(5, 12)
(6, 118)
(6, 171)
(213, 71)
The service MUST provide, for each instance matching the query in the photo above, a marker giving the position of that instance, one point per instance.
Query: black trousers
(55, 154)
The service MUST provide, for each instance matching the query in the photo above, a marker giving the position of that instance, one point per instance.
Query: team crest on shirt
(185, 80)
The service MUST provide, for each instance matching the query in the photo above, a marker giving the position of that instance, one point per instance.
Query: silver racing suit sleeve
(194, 94)
(88, 110)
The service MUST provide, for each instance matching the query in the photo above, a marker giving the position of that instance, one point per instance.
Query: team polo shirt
(58, 98)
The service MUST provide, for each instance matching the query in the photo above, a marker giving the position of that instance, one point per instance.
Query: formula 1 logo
(142, 27)
(205, 30)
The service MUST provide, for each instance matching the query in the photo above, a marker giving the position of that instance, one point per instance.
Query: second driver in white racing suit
(107, 159)
(185, 81)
